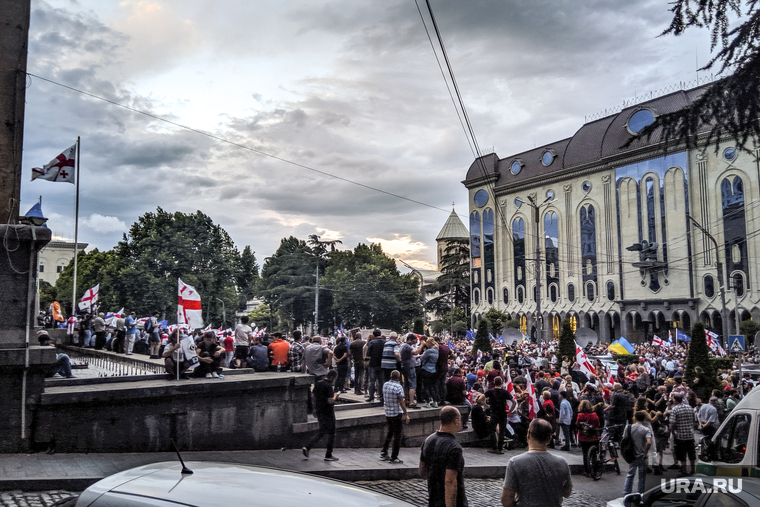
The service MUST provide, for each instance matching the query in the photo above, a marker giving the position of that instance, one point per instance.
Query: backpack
(148, 327)
(627, 447)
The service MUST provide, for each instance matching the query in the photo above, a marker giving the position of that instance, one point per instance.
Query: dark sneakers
(305, 452)
(331, 458)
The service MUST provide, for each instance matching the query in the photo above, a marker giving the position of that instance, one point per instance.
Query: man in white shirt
(243, 338)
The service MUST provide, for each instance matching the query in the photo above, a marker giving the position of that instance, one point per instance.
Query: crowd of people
(516, 396)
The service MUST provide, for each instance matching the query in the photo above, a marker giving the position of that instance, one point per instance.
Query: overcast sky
(345, 87)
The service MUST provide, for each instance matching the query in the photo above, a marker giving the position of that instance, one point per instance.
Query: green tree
(93, 268)
(419, 326)
(497, 320)
(452, 288)
(261, 316)
(368, 290)
(749, 329)
(288, 282)
(482, 341)
(699, 359)
(729, 106)
(567, 340)
(48, 294)
(162, 247)
(455, 321)
(246, 276)
(437, 326)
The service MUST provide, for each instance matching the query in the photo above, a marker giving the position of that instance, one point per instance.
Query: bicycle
(597, 454)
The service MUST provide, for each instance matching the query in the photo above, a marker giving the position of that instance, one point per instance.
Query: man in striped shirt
(395, 414)
(682, 426)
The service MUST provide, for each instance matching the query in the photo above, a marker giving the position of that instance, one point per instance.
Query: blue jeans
(640, 465)
(89, 340)
(375, 375)
(63, 365)
(565, 434)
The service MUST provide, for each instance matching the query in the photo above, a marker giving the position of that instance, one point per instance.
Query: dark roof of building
(453, 228)
(593, 142)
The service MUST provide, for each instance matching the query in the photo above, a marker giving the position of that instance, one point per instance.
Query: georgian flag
(510, 386)
(61, 168)
(582, 359)
(533, 407)
(90, 298)
(656, 340)
(610, 378)
(189, 306)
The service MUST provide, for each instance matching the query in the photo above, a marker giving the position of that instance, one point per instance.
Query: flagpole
(176, 362)
(76, 239)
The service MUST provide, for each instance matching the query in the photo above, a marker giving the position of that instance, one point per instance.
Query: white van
(734, 450)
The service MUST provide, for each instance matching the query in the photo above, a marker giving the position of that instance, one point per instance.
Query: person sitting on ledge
(210, 356)
(62, 365)
(176, 351)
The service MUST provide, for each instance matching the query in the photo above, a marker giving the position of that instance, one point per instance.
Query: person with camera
(178, 353)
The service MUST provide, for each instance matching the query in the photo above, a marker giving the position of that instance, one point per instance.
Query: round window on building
(729, 154)
(640, 119)
(550, 194)
(586, 186)
(518, 202)
(547, 158)
(516, 167)
(481, 198)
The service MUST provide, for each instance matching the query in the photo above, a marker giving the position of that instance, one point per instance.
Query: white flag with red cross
(582, 359)
(90, 298)
(189, 306)
(510, 386)
(656, 340)
(533, 407)
(61, 168)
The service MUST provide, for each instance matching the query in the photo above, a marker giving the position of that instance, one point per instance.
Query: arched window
(734, 226)
(520, 294)
(573, 323)
(555, 326)
(590, 291)
(476, 296)
(709, 286)
(611, 290)
(738, 279)
(489, 296)
(518, 249)
(551, 247)
(488, 246)
(571, 292)
(505, 291)
(553, 293)
(588, 244)
(524, 325)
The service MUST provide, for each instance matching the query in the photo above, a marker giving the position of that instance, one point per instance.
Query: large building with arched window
(619, 254)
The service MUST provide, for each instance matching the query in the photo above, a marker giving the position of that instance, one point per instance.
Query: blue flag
(500, 339)
(681, 336)
(451, 346)
(469, 335)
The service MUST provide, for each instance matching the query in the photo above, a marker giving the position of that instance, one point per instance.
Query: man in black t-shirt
(375, 370)
(209, 356)
(497, 400)
(442, 463)
(356, 350)
(324, 401)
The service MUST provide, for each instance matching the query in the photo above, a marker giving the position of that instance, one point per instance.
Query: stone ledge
(162, 388)
(37, 356)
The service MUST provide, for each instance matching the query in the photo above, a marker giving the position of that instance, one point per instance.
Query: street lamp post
(224, 313)
(316, 302)
(422, 289)
(536, 218)
(719, 266)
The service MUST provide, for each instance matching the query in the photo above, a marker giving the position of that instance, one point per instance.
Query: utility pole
(536, 219)
(719, 266)
(316, 302)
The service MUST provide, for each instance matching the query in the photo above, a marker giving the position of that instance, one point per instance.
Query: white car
(226, 485)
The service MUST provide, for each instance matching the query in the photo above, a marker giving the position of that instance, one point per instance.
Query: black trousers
(395, 430)
(358, 376)
(502, 425)
(100, 340)
(326, 427)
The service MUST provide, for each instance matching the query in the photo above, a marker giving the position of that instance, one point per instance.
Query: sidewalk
(75, 472)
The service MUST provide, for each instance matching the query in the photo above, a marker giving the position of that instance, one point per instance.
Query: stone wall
(239, 412)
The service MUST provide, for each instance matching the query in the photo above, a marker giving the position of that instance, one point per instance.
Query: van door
(730, 448)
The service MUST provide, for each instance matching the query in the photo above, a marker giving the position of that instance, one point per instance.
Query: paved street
(480, 493)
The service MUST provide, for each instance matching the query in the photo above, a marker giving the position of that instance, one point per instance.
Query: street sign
(736, 343)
